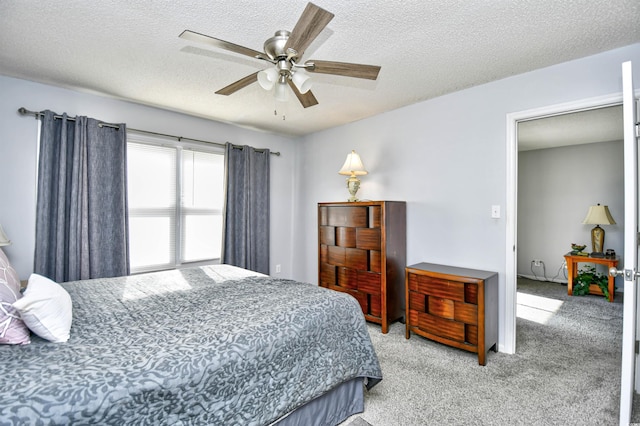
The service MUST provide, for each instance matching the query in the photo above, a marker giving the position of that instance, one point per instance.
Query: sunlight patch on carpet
(536, 308)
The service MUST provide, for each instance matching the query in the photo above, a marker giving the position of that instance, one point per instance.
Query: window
(175, 203)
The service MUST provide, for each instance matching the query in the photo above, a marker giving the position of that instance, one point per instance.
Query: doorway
(513, 121)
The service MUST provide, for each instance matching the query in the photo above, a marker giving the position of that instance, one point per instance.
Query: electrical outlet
(278, 269)
(537, 262)
(495, 212)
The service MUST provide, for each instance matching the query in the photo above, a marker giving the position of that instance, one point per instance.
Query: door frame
(629, 371)
(509, 345)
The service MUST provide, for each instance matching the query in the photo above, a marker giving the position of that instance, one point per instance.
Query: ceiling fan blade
(306, 99)
(369, 72)
(234, 87)
(221, 44)
(311, 23)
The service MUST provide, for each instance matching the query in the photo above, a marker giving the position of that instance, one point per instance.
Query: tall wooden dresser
(362, 251)
(454, 306)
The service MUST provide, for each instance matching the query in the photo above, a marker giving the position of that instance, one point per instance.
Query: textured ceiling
(131, 50)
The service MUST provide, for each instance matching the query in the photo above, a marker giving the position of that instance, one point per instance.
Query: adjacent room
(332, 213)
(567, 163)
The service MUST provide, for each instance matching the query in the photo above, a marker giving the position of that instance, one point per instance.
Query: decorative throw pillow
(13, 330)
(46, 309)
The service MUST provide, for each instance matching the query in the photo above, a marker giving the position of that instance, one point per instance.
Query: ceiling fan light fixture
(302, 81)
(267, 78)
(281, 92)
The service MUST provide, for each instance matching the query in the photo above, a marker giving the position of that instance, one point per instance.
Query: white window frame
(180, 146)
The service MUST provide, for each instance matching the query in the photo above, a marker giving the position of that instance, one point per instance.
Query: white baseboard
(534, 278)
(619, 289)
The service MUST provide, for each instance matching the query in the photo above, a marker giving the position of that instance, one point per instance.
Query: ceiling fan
(285, 50)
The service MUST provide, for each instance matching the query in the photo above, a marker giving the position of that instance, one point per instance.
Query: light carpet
(358, 421)
(566, 369)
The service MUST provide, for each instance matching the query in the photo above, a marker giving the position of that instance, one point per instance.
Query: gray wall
(447, 157)
(555, 189)
(18, 137)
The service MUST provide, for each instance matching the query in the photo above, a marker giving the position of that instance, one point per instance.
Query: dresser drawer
(371, 305)
(375, 305)
(327, 275)
(466, 335)
(369, 282)
(343, 216)
(348, 278)
(441, 327)
(436, 287)
(443, 308)
(447, 289)
(466, 313)
(368, 238)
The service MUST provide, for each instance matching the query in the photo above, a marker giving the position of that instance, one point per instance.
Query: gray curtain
(81, 209)
(245, 241)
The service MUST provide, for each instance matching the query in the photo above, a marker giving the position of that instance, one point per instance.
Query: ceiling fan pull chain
(275, 112)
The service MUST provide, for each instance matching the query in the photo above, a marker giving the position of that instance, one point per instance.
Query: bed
(215, 345)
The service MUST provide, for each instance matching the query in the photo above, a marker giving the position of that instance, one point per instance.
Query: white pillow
(45, 308)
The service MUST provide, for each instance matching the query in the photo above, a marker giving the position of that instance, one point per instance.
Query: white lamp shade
(599, 215)
(4, 240)
(302, 81)
(267, 78)
(282, 93)
(353, 166)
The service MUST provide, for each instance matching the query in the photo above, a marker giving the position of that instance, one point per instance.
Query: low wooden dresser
(454, 306)
(362, 251)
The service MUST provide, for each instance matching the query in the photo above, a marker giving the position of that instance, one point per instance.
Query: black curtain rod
(36, 114)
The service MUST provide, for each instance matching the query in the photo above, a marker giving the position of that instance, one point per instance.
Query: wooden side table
(572, 269)
(454, 306)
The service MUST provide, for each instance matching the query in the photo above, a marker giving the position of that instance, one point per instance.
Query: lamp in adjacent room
(353, 168)
(4, 240)
(598, 215)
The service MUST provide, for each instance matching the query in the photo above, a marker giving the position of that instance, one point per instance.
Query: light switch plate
(495, 212)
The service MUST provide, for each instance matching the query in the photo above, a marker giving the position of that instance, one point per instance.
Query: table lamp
(598, 215)
(353, 168)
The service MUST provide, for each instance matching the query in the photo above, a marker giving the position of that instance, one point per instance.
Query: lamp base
(597, 240)
(353, 184)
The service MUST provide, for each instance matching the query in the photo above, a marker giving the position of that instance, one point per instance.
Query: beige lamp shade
(353, 166)
(4, 240)
(599, 215)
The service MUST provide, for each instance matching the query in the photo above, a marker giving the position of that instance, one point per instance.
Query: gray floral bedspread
(208, 345)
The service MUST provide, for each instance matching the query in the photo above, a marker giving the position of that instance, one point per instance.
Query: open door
(629, 372)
